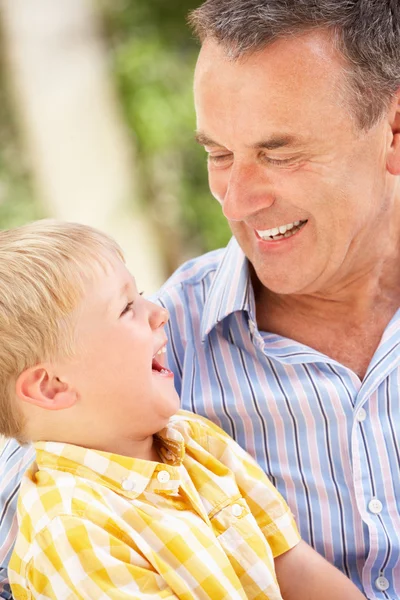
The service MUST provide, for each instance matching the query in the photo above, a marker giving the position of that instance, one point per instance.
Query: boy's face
(117, 333)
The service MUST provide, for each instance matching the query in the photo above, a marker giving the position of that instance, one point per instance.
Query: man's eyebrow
(204, 140)
(272, 143)
(277, 141)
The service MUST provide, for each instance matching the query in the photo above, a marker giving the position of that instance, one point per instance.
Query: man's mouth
(281, 232)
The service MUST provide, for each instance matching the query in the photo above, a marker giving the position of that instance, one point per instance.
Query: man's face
(121, 389)
(306, 193)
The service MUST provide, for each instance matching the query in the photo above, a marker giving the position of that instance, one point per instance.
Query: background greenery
(152, 57)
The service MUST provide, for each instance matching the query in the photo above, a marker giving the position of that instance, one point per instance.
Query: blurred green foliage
(153, 57)
(17, 201)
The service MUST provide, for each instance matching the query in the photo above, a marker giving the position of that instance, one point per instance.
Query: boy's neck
(142, 449)
(145, 449)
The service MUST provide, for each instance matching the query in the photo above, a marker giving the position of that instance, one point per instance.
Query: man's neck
(345, 321)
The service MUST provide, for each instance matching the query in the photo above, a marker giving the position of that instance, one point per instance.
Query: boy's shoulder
(45, 495)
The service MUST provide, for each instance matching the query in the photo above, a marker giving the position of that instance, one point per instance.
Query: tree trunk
(80, 156)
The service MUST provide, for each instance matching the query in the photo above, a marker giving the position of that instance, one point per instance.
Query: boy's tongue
(155, 365)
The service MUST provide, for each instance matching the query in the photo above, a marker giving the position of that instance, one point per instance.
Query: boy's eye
(127, 308)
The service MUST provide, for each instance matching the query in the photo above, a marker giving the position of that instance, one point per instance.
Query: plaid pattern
(204, 523)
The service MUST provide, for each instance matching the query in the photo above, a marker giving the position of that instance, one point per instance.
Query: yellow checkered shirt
(203, 523)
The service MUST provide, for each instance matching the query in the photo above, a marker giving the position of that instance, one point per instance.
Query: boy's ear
(38, 386)
(393, 157)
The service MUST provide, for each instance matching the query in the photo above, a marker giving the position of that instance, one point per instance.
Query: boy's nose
(158, 316)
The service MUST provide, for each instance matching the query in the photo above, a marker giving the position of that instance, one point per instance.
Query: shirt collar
(127, 476)
(230, 291)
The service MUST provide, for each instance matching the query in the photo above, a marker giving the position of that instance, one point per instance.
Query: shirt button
(237, 510)
(361, 415)
(375, 506)
(382, 583)
(169, 455)
(163, 476)
(128, 485)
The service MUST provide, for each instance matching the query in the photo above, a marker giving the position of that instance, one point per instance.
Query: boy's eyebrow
(125, 289)
(271, 143)
(111, 304)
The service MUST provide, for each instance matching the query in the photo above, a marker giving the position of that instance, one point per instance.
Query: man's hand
(304, 575)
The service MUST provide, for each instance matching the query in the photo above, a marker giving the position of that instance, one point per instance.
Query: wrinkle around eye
(220, 160)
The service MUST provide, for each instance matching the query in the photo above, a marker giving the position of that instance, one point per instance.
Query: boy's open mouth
(156, 367)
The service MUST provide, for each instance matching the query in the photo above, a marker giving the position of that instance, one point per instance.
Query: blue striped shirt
(14, 460)
(328, 441)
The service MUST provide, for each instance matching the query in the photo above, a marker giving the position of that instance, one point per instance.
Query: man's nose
(249, 191)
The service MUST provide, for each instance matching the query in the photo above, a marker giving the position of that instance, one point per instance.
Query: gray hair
(365, 32)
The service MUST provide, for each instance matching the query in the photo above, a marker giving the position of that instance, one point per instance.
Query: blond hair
(43, 269)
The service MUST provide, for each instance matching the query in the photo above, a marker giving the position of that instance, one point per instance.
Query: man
(291, 334)
(289, 337)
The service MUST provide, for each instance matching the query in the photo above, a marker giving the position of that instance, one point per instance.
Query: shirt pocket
(247, 549)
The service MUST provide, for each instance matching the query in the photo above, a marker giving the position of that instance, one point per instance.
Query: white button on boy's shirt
(375, 506)
(361, 415)
(128, 485)
(163, 476)
(237, 510)
(382, 583)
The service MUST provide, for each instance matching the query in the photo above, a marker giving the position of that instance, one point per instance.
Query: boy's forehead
(109, 284)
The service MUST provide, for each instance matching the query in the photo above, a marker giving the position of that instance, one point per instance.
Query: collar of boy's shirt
(231, 290)
(127, 476)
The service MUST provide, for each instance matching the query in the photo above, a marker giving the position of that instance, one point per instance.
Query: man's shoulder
(194, 272)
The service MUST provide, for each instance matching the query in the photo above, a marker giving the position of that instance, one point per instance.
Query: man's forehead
(284, 65)
(284, 95)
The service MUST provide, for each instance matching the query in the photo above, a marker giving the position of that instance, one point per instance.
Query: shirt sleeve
(76, 558)
(270, 510)
(14, 460)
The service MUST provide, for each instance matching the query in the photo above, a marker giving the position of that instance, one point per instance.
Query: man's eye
(127, 309)
(220, 158)
(279, 162)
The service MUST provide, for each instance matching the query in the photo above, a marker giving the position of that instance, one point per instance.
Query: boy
(127, 499)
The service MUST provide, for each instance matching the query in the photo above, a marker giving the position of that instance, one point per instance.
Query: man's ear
(40, 387)
(393, 156)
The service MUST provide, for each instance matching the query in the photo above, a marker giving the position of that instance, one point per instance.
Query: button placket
(375, 506)
(361, 415)
(163, 476)
(237, 510)
(382, 583)
(128, 484)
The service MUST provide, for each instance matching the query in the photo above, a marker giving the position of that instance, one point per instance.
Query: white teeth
(160, 351)
(281, 231)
